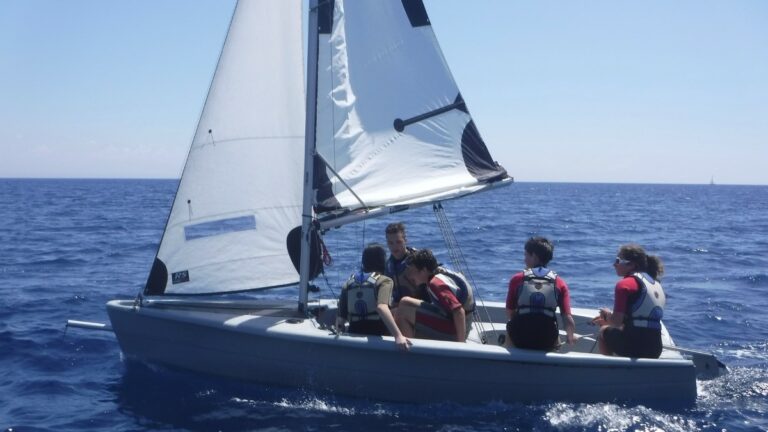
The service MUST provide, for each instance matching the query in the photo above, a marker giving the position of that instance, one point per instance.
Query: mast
(309, 152)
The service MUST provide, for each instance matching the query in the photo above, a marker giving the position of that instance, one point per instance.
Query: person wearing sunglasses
(532, 299)
(633, 328)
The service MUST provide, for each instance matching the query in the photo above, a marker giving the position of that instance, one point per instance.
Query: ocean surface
(69, 246)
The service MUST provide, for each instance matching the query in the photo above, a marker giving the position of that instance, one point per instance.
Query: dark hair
(423, 259)
(541, 247)
(374, 258)
(394, 228)
(643, 262)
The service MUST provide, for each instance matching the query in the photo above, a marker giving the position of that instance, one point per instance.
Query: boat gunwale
(280, 327)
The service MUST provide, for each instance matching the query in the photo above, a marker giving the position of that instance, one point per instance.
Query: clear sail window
(219, 227)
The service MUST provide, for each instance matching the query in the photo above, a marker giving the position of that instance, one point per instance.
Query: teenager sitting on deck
(533, 297)
(366, 297)
(633, 328)
(449, 315)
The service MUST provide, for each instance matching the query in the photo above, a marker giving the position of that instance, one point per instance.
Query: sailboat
(380, 127)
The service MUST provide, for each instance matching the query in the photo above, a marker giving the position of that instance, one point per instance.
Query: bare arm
(609, 318)
(570, 327)
(385, 313)
(616, 319)
(460, 321)
(340, 324)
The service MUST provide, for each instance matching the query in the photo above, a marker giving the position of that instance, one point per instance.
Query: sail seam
(201, 144)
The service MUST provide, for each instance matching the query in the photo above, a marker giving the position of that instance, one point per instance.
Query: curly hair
(423, 259)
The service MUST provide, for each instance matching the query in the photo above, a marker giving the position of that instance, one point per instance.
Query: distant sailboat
(712, 181)
(383, 128)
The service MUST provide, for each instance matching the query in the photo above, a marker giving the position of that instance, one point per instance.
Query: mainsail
(392, 126)
(240, 193)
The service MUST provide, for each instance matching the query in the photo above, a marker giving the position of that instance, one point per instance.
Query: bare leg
(601, 342)
(405, 315)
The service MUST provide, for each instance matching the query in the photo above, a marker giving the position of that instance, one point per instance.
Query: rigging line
(457, 256)
(328, 285)
(457, 260)
(349, 188)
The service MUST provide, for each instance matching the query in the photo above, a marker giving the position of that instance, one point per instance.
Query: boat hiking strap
(460, 264)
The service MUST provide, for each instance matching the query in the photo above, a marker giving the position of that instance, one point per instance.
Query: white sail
(391, 122)
(240, 192)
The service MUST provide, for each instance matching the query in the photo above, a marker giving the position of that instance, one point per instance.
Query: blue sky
(599, 91)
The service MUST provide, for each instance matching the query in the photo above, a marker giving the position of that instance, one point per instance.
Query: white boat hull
(274, 345)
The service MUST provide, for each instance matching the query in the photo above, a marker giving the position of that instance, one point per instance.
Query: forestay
(240, 192)
(391, 123)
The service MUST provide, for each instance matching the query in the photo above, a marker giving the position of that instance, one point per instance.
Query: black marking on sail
(458, 104)
(477, 159)
(325, 199)
(157, 280)
(180, 277)
(293, 243)
(417, 13)
(325, 16)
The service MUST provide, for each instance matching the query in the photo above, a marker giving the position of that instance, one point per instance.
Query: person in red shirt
(633, 328)
(448, 313)
(532, 298)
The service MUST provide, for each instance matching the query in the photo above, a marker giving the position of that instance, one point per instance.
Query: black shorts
(633, 342)
(533, 331)
(369, 327)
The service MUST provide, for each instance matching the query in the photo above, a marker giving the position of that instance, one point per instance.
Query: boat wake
(604, 416)
(314, 404)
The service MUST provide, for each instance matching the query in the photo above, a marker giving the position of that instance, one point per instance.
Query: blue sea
(69, 246)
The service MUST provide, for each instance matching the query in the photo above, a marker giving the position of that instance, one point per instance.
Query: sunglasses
(622, 261)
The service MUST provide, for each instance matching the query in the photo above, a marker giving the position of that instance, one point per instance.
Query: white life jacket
(538, 293)
(459, 286)
(361, 297)
(648, 309)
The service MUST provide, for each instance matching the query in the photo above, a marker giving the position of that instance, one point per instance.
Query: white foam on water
(317, 405)
(610, 417)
